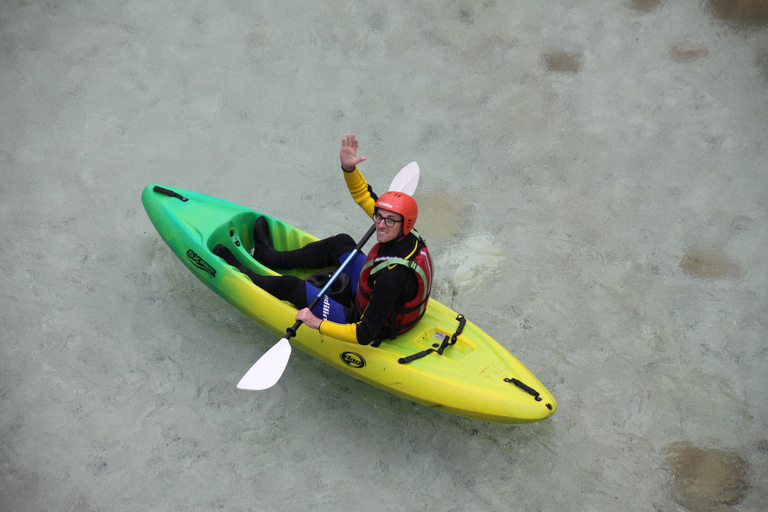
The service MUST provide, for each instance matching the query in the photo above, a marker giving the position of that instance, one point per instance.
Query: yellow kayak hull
(475, 377)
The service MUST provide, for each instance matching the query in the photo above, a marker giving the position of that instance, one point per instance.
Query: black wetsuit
(393, 287)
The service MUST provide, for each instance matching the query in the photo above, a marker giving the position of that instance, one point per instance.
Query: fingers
(350, 141)
(348, 152)
(308, 318)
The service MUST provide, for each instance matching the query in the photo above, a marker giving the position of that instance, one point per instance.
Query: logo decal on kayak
(352, 359)
(200, 262)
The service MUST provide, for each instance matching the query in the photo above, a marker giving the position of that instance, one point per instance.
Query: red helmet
(399, 202)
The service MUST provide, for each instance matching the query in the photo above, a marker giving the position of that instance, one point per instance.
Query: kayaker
(390, 285)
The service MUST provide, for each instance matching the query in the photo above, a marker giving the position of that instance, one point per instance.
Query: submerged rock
(686, 52)
(441, 214)
(739, 13)
(563, 60)
(644, 6)
(710, 265)
(706, 480)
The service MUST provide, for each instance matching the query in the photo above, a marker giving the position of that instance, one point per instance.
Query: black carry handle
(169, 193)
(413, 357)
(525, 387)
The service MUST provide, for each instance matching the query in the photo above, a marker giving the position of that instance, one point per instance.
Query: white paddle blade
(406, 180)
(268, 369)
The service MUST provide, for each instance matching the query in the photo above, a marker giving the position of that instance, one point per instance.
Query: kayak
(445, 361)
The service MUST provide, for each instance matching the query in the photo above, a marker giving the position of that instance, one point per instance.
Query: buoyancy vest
(404, 316)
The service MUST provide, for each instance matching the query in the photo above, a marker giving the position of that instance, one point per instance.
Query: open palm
(348, 153)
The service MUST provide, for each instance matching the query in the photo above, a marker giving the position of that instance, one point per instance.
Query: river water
(594, 191)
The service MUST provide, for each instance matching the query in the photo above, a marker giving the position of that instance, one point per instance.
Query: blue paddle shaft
(292, 331)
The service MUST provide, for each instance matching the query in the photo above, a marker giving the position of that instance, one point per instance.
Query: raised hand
(348, 153)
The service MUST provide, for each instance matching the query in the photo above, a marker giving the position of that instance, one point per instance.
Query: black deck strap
(446, 341)
(169, 193)
(525, 388)
(462, 322)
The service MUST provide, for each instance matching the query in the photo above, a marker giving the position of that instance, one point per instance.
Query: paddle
(270, 367)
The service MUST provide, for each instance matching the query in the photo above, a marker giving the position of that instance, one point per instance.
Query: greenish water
(593, 192)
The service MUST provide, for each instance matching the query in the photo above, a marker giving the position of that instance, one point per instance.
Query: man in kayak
(391, 285)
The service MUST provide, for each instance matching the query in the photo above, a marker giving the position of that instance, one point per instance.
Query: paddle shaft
(291, 331)
(267, 370)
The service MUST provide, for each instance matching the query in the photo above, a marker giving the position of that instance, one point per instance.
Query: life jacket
(405, 316)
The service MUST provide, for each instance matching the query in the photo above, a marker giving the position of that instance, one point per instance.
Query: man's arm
(356, 183)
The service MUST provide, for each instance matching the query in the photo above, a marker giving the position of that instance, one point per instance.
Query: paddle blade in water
(268, 369)
(407, 179)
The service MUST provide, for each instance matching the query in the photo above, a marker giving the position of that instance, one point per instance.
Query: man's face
(385, 233)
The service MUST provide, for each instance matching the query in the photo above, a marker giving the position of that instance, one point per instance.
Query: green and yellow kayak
(473, 376)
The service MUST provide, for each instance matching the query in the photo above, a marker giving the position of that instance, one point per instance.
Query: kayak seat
(237, 236)
(340, 290)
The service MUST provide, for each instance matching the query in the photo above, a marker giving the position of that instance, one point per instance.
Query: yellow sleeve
(360, 190)
(343, 332)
